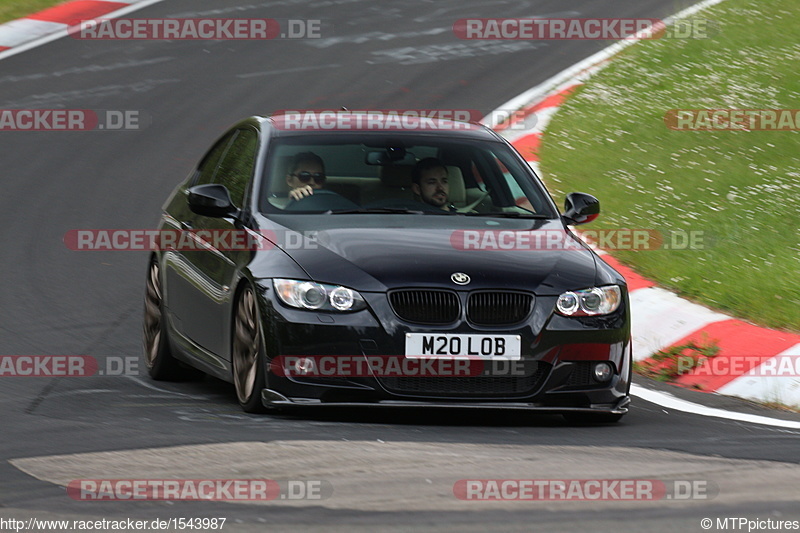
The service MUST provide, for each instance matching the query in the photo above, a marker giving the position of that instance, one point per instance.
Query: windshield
(357, 173)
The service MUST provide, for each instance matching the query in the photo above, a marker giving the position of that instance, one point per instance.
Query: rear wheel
(247, 353)
(157, 357)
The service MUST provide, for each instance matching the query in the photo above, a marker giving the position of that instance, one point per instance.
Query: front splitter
(274, 399)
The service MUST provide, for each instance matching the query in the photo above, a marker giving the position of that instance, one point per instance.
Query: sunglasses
(305, 176)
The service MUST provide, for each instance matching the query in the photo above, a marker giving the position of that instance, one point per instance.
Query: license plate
(432, 345)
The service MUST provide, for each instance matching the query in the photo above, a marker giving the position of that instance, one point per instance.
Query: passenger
(306, 174)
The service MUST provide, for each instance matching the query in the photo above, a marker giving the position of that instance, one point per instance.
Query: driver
(306, 174)
(429, 182)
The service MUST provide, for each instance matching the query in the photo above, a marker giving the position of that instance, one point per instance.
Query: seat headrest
(278, 185)
(458, 191)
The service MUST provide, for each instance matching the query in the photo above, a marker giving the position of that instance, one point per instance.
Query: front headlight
(317, 296)
(589, 302)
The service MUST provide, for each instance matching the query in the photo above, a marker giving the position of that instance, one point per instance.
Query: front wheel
(247, 353)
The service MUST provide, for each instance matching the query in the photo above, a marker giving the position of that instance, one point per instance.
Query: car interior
(367, 177)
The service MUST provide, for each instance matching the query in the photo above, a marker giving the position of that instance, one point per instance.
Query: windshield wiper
(400, 210)
(505, 214)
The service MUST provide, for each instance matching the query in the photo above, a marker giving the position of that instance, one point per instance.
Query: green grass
(670, 364)
(742, 189)
(14, 9)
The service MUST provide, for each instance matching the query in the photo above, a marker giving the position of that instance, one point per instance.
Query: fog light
(603, 372)
(304, 366)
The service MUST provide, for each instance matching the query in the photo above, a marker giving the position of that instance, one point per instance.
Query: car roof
(302, 123)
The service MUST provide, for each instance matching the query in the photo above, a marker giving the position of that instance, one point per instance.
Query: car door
(216, 266)
(181, 279)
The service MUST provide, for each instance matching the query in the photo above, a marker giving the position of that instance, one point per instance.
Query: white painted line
(759, 384)
(39, 41)
(671, 402)
(23, 30)
(659, 319)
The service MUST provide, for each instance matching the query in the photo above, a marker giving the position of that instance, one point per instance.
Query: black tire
(248, 352)
(157, 356)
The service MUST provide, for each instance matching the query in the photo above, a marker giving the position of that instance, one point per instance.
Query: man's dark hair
(306, 157)
(423, 165)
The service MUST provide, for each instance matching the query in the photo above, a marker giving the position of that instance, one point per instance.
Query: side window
(236, 167)
(208, 165)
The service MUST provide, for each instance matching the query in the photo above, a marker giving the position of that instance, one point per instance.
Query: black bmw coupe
(370, 262)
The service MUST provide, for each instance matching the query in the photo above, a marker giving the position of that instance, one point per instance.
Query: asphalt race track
(386, 469)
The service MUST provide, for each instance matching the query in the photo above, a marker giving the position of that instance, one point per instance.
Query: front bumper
(560, 351)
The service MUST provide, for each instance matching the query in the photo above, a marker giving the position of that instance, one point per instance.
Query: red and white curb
(51, 24)
(753, 362)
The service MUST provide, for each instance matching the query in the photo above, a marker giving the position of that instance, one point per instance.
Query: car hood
(374, 259)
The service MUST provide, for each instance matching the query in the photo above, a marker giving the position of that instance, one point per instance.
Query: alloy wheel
(246, 345)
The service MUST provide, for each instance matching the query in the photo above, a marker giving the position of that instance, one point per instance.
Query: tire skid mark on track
(416, 33)
(121, 318)
(41, 397)
(88, 69)
(286, 71)
(94, 92)
(410, 55)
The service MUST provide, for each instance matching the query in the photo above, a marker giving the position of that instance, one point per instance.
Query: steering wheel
(322, 200)
(470, 207)
(317, 192)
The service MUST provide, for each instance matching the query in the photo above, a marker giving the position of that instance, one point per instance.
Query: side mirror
(580, 208)
(211, 200)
